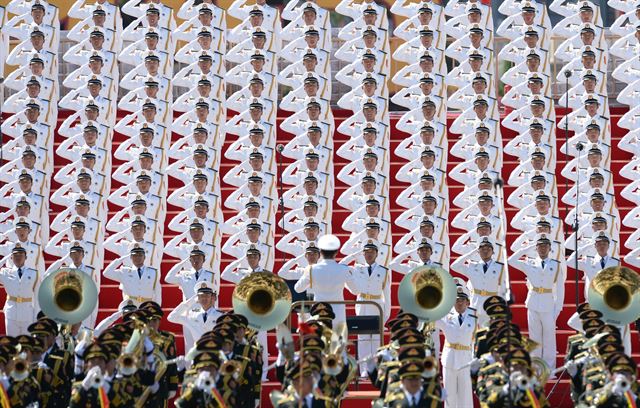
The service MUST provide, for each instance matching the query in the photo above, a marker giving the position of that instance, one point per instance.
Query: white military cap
(329, 243)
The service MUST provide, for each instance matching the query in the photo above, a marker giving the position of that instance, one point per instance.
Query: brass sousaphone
(68, 295)
(427, 292)
(263, 298)
(615, 292)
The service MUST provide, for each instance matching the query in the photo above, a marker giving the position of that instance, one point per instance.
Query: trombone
(129, 360)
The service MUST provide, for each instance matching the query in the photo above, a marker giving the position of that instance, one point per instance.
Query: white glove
(79, 349)
(155, 387)
(4, 380)
(148, 345)
(172, 394)
(572, 368)
(371, 363)
(475, 365)
(181, 363)
(204, 382)
(92, 378)
(620, 384)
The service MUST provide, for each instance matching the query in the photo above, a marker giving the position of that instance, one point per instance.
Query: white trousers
(457, 384)
(367, 346)
(542, 330)
(262, 339)
(90, 321)
(188, 338)
(16, 327)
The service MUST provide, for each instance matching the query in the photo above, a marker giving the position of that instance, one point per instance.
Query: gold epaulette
(393, 396)
(490, 367)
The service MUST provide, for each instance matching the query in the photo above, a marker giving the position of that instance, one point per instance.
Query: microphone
(567, 74)
(579, 146)
(280, 148)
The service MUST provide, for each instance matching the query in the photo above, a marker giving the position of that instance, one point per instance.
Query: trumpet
(205, 383)
(520, 381)
(332, 364)
(620, 384)
(230, 367)
(430, 367)
(98, 380)
(128, 364)
(20, 370)
(430, 363)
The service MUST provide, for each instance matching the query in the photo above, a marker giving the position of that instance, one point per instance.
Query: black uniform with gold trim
(22, 388)
(23, 393)
(198, 395)
(89, 396)
(165, 346)
(400, 396)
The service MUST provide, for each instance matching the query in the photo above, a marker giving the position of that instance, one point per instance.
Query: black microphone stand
(567, 75)
(280, 148)
(576, 224)
(1, 120)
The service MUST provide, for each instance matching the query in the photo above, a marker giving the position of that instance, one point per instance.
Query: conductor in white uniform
(327, 279)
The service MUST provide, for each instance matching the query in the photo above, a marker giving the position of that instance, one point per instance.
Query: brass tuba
(263, 298)
(615, 292)
(427, 292)
(68, 295)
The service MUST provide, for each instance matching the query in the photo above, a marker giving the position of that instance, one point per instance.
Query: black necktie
(204, 317)
(543, 264)
(19, 273)
(426, 263)
(602, 262)
(370, 269)
(460, 319)
(140, 273)
(197, 275)
(485, 267)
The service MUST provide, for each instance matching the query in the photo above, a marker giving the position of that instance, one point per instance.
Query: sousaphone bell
(427, 292)
(67, 295)
(263, 298)
(615, 291)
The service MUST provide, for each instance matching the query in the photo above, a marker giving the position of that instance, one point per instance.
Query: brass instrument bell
(68, 295)
(615, 292)
(427, 292)
(263, 298)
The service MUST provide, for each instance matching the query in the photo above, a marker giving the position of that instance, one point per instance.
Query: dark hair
(328, 254)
